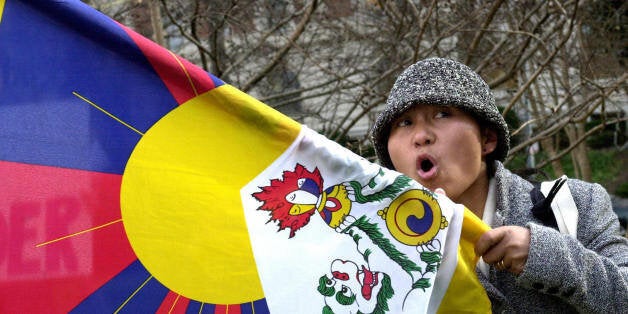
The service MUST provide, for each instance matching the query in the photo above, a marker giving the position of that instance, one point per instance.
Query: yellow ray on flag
(1, 9)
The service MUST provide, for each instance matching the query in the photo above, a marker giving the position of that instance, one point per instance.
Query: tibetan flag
(132, 181)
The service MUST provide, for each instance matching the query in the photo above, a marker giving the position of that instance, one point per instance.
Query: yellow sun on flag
(180, 198)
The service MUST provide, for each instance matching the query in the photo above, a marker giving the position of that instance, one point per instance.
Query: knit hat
(443, 82)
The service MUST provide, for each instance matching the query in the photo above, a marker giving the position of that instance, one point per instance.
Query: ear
(489, 141)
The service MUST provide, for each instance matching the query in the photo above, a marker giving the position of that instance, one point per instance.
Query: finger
(511, 251)
(440, 191)
(487, 241)
(495, 254)
(516, 268)
(500, 265)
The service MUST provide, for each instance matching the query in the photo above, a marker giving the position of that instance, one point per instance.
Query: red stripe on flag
(183, 79)
(173, 304)
(61, 236)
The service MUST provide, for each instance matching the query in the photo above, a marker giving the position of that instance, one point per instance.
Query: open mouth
(426, 167)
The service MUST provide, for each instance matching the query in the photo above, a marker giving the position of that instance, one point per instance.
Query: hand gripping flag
(133, 181)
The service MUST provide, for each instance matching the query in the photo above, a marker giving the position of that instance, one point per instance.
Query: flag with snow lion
(334, 233)
(132, 181)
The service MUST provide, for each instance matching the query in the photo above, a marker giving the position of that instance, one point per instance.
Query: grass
(607, 167)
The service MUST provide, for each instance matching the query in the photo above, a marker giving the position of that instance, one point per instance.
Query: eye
(345, 290)
(345, 296)
(443, 114)
(402, 122)
(326, 286)
(300, 182)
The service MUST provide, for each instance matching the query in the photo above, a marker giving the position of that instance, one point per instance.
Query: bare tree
(330, 64)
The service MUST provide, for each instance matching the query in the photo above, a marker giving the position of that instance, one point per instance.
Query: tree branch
(284, 50)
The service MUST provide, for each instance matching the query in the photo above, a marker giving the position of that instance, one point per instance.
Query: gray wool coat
(562, 274)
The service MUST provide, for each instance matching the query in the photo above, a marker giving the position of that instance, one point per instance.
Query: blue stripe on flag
(44, 119)
(194, 307)
(258, 307)
(118, 293)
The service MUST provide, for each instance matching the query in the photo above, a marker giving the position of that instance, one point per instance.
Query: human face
(442, 147)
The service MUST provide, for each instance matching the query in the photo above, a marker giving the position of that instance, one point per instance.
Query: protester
(442, 128)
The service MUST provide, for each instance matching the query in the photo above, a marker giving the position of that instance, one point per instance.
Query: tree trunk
(581, 151)
(579, 154)
(548, 144)
(549, 147)
(155, 18)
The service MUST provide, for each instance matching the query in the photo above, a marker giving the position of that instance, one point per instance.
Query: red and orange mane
(274, 200)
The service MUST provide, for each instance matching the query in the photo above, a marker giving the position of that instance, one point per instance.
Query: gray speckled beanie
(445, 82)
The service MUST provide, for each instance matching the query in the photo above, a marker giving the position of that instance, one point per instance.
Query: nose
(423, 136)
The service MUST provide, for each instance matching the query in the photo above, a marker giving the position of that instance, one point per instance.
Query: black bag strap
(542, 208)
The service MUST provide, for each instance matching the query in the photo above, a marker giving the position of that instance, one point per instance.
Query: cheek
(395, 150)
(466, 144)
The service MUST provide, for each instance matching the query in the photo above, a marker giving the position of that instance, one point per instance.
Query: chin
(427, 185)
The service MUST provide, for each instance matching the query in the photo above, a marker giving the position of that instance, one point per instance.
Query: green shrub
(622, 190)
(606, 168)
